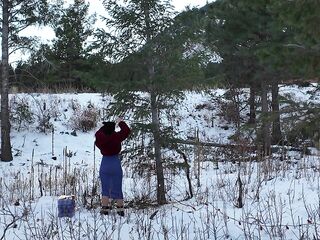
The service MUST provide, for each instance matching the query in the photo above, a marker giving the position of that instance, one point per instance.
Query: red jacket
(111, 144)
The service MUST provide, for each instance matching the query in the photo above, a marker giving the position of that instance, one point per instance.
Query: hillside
(279, 194)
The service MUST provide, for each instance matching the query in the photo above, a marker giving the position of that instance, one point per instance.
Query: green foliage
(305, 130)
(132, 25)
(72, 27)
(243, 34)
(138, 106)
(153, 52)
(24, 13)
(264, 42)
(302, 48)
(37, 72)
(265, 38)
(169, 47)
(16, 15)
(67, 63)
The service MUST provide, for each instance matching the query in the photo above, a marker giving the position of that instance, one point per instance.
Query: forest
(222, 97)
(146, 47)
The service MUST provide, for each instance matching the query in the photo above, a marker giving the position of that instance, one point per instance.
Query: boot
(120, 211)
(105, 210)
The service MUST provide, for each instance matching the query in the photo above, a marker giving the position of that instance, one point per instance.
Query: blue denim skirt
(111, 177)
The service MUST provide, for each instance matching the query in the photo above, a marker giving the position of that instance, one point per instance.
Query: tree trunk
(266, 138)
(276, 127)
(6, 154)
(161, 197)
(252, 104)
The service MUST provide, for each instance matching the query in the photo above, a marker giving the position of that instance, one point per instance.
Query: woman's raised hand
(119, 119)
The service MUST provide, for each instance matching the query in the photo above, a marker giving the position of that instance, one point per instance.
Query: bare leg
(105, 205)
(120, 203)
(120, 209)
(105, 201)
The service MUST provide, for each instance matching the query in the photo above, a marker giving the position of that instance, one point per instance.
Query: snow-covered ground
(281, 197)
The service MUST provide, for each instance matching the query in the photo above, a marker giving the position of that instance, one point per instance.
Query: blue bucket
(66, 206)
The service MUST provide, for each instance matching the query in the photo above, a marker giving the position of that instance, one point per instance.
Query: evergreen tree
(72, 27)
(38, 71)
(16, 16)
(143, 37)
(250, 40)
(301, 18)
(301, 56)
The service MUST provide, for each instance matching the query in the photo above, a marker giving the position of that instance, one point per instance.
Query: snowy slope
(281, 198)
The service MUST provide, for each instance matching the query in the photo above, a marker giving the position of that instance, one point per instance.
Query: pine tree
(250, 40)
(16, 16)
(300, 54)
(144, 39)
(301, 18)
(72, 27)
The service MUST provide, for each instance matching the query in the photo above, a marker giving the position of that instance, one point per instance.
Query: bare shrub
(46, 111)
(230, 108)
(229, 111)
(84, 119)
(21, 113)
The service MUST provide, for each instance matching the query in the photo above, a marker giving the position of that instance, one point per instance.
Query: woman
(109, 143)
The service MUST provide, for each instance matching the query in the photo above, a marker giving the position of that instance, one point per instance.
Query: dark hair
(108, 127)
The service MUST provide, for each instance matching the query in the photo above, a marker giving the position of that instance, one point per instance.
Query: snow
(281, 197)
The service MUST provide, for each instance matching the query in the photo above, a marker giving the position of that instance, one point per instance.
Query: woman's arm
(124, 129)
